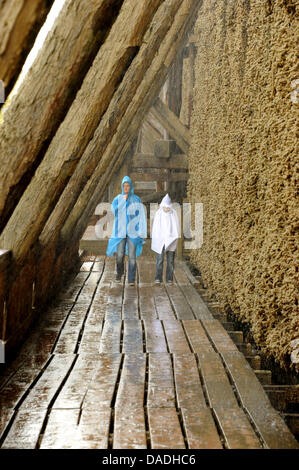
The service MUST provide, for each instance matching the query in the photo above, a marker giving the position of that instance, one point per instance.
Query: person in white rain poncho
(165, 234)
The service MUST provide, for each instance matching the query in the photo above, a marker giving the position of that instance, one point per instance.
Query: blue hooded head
(127, 179)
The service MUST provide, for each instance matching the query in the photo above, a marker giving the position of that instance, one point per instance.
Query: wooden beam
(150, 161)
(40, 99)
(172, 124)
(66, 148)
(159, 176)
(140, 104)
(19, 24)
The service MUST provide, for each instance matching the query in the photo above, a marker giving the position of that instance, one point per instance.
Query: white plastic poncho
(166, 227)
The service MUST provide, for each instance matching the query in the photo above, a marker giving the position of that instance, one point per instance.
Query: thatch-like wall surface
(242, 164)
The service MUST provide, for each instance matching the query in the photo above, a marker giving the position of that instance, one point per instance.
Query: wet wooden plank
(200, 428)
(187, 382)
(72, 393)
(146, 271)
(130, 303)
(162, 303)
(196, 335)
(193, 298)
(129, 428)
(178, 300)
(64, 432)
(40, 341)
(68, 338)
(147, 304)
(165, 430)
(44, 390)
(176, 338)
(218, 388)
(131, 388)
(236, 428)
(154, 336)
(219, 336)
(16, 387)
(102, 385)
(5, 416)
(132, 337)
(161, 392)
(110, 339)
(86, 294)
(90, 341)
(269, 423)
(25, 429)
(86, 266)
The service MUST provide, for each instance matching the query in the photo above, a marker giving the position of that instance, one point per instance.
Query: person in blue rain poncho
(129, 230)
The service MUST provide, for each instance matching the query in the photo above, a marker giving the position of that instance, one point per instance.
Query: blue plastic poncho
(130, 220)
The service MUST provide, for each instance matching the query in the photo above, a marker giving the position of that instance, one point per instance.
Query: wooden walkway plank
(110, 339)
(196, 336)
(220, 336)
(44, 390)
(192, 296)
(146, 271)
(5, 416)
(175, 336)
(165, 429)
(101, 388)
(236, 428)
(218, 388)
(133, 337)
(129, 429)
(25, 429)
(200, 428)
(162, 303)
(154, 336)
(147, 304)
(130, 303)
(64, 432)
(161, 392)
(267, 420)
(187, 382)
(131, 388)
(72, 393)
(181, 307)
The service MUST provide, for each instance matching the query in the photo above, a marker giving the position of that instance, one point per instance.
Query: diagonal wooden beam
(68, 145)
(142, 101)
(172, 124)
(39, 101)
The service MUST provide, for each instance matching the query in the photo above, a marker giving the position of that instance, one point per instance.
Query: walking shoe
(157, 281)
(131, 283)
(118, 279)
(169, 282)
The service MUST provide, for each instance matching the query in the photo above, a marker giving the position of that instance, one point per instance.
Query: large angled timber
(172, 124)
(40, 99)
(116, 114)
(77, 129)
(143, 99)
(19, 20)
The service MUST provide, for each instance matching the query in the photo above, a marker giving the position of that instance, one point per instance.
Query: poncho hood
(127, 179)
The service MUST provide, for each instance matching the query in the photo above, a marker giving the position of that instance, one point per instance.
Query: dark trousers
(170, 255)
(120, 257)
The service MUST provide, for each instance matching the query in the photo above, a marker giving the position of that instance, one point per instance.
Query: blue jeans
(169, 266)
(120, 256)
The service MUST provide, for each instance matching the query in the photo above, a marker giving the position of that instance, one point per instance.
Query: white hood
(166, 227)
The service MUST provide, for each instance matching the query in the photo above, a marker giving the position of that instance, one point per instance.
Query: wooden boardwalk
(122, 367)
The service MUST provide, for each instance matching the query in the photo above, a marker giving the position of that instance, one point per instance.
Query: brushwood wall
(242, 164)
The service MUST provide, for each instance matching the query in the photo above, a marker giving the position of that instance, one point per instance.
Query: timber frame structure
(64, 136)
